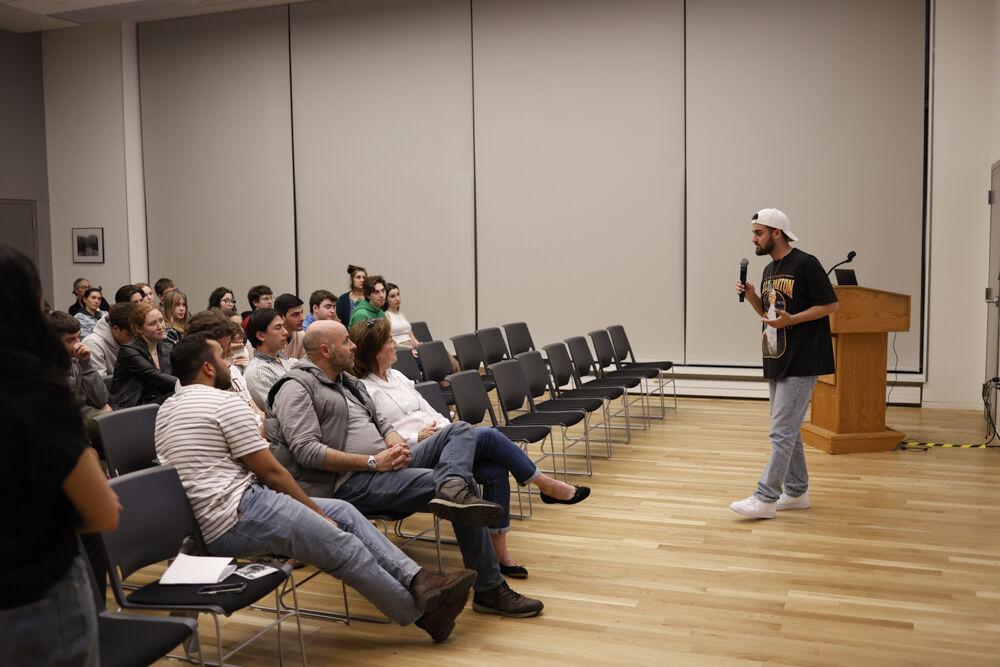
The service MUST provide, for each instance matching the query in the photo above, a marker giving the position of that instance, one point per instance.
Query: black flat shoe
(581, 494)
(514, 571)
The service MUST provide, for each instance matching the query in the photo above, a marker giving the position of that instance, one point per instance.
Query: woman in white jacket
(397, 399)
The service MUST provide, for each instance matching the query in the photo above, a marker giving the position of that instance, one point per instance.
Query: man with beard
(247, 504)
(794, 304)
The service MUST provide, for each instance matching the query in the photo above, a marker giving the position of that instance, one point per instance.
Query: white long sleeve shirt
(398, 401)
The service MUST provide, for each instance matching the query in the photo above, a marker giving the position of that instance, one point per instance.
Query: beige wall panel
(814, 107)
(85, 143)
(217, 152)
(383, 151)
(579, 168)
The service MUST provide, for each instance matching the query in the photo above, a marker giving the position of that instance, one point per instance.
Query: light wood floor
(897, 562)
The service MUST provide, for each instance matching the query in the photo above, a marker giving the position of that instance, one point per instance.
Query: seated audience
(128, 294)
(267, 335)
(146, 291)
(222, 298)
(237, 353)
(349, 300)
(212, 325)
(330, 435)
(247, 504)
(91, 313)
(162, 286)
(397, 400)
(175, 315)
(322, 306)
(371, 307)
(402, 332)
(81, 285)
(289, 307)
(54, 488)
(85, 383)
(258, 296)
(143, 373)
(109, 335)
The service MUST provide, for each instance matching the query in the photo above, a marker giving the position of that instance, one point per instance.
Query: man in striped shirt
(247, 504)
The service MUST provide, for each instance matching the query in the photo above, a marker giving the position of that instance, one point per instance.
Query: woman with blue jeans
(415, 420)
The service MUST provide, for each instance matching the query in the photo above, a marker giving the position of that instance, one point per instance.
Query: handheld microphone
(850, 258)
(744, 263)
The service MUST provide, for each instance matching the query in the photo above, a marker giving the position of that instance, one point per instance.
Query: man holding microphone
(794, 303)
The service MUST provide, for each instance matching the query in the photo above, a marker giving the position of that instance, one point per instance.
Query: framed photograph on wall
(88, 245)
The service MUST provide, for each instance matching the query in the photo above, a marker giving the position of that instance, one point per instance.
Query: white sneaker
(753, 507)
(787, 502)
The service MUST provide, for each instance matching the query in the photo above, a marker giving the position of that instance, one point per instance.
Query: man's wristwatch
(371, 464)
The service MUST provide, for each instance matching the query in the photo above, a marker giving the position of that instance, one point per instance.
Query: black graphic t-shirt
(795, 283)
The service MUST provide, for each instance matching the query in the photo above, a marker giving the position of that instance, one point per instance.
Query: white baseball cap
(772, 217)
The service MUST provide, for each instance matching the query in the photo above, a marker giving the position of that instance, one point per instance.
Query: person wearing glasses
(222, 298)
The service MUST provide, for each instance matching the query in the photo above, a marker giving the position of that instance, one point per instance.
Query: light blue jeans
(786, 470)
(356, 553)
(60, 628)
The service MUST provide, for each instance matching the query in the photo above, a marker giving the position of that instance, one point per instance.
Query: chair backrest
(512, 387)
(406, 364)
(431, 391)
(434, 359)
(155, 519)
(579, 352)
(560, 364)
(421, 332)
(603, 348)
(469, 351)
(127, 437)
(494, 347)
(472, 403)
(535, 372)
(518, 338)
(108, 381)
(623, 349)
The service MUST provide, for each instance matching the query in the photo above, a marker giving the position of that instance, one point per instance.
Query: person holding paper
(247, 504)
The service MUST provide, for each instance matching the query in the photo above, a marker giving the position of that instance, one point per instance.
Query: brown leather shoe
(456, 502)
(426, 587)
(443, 597)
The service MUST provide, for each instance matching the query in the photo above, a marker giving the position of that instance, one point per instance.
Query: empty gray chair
(470, 355)
(431, 391)
(494, 347)
(561, 366)
(156, 518)
(605, 355)
(127, 437)
(518, 338)
(537, 375)
(626, 358)
(584, 364)
(513, 394)
(421, 332)
(436, 363)
(406, 364)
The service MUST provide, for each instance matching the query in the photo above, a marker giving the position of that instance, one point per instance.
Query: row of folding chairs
(525, 376)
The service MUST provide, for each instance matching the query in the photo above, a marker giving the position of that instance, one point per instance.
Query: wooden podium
(848, 407)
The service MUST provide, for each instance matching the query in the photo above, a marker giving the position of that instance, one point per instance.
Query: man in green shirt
(371, 307)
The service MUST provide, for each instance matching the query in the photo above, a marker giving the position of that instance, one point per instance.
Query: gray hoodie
(103, 348)
(86, 384)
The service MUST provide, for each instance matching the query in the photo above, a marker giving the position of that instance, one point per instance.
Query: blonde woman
(175, 315)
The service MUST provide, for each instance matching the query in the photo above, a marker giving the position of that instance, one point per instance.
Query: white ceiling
(35, 15)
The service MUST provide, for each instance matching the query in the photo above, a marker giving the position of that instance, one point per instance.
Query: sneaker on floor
(787, 502)
(455, 501)
(505, 601)
(753, 507)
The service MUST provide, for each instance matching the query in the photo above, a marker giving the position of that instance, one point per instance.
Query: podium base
(850, 443)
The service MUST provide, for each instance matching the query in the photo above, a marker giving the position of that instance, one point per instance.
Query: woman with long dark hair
(54, 487)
